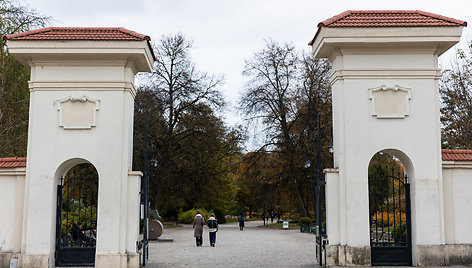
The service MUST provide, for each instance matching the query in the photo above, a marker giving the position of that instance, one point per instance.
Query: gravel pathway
(253, 247)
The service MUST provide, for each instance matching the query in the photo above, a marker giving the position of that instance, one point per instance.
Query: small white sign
(285, 224)
(13, 263)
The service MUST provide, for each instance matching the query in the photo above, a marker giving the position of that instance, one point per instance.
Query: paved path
(253, 247)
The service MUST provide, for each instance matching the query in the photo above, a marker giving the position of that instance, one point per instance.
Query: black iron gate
(76, 220)
(390, 228)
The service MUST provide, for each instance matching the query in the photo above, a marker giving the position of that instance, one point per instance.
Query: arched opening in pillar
(390, 208)
(76, 214)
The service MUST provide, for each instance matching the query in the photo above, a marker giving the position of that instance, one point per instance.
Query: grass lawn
(228, 220)
(171, 225)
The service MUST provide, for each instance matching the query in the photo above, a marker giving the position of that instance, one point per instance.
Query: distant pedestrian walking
(241, 221)
(212, 229)
(198, 223)
(272, 215)
(263, 217)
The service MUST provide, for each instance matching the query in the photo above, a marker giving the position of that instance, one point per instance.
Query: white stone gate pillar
(81, 110)
(385, 98)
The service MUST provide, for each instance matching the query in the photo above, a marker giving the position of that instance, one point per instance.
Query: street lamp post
(318, 192)
(146, 193)
(145, 190)
(310, 178)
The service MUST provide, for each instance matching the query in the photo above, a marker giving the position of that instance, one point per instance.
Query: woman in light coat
(198, 223)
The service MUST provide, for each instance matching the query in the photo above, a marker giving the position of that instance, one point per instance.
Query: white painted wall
(12, 185)
(332, 195)
(457, 179)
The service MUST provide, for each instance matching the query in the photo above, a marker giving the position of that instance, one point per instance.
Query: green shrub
(187, 216)
(220, 216)
(157, 218)
(305, 220)
(399, 233)
(73, 212)
(289, 216)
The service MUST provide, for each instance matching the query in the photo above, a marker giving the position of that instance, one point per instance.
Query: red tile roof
(82, 33)
(389, 18)
(79, 33)
(12, 162)
(456, 155)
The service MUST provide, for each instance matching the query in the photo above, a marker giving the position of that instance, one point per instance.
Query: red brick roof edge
(335, 18)
(412, 22)
(12, 162)
(456, 155)
(340, 16)
(77, 29)
(82, 33)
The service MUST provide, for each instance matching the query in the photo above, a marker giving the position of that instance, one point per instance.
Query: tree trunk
(300, 199)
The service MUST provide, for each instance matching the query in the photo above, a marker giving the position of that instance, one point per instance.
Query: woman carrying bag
(212, 229)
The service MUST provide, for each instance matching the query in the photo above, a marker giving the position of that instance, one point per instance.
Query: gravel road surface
(253, 247)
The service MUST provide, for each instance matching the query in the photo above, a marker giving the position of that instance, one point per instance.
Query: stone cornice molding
(336, 75)
(82, 85)
(135, 173)
(32, 52)
(457, 164)
(331, 39)
(21, 171)
(331, 170)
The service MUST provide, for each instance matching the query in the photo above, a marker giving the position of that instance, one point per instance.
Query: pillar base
(445, 255)
(432, 255)
(5, 258)
(27, 260)
(133, 260)
(130, 260)
(342, 255)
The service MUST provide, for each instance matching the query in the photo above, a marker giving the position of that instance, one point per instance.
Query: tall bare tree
(456, 101)
(14, 92)
(285, 91)
(270, 95)
(179, 89)
(316, 100)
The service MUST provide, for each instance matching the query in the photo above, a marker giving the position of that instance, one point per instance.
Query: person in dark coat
(212, 229)
(75, 232)
(241, 221)
(78, 235)
(198, 223)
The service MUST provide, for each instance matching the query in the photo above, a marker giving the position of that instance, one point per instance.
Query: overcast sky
(225, 33)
